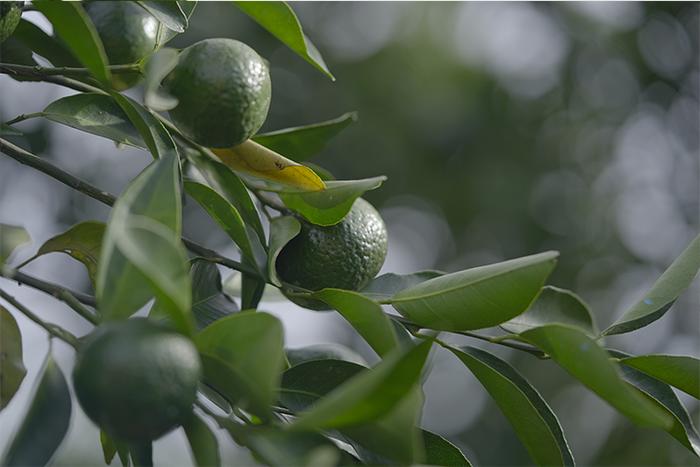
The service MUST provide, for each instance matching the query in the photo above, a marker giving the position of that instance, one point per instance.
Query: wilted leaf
(679, 371)
(303, 142)
(203, 443)
(279, 19)
(209, 302)
(387, 285)
(12, 370)
(476, 298)
(256, 160)
(663, 293)
(11, 237)
(330, 205)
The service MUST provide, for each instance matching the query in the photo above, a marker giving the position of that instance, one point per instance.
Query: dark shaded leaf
(42, 44)
(209, 302)
(203, 443)
(679, 371)
(12, 370)
(252, 289)
(387, 285)
(439, 451)
(11, 237)
(309, 353)
(7, 130)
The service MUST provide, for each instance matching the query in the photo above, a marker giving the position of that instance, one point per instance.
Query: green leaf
(663, 293)
(476, 298)
(96, 114)
(679, 371)
(7, 130)
(12, 370)
(531, 418)
(169, 13)
(363, 314)
(279, 19)
(111, 447)
(282, 230)
(209, 302)
(203, 443)
(141, 454)
(554, 305)
(11, 237)
(590, 364)
(159, 65)
(46, 423)
(42, 44)
(303, 142)
(243, 356)
(157, 139)
(83, 242)
(439, 451)
(369, 395)
(387, 285)
(663, 396)
(329, 206)
(309, 353)
(73, 25)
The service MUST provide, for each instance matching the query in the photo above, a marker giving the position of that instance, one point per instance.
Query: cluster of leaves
(320, 405)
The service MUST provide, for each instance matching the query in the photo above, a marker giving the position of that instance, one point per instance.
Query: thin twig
(54, 330)
(42, 71)
(59, 80)
(23, 117)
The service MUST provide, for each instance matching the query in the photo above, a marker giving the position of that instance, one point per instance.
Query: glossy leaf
(533, 421)
(243, 356)
(72, 24)
(42, 44)
(329, 206)
(679, 371)
(254, 159)
(11, 238)
(96, 114)
(370, 394)
(662, 294)
(364, 315)
(590, 364)
(387, 285)
(203, 443)
(209, 302)
(83, 242)
(12, 370)
(159, 65)
(554, 305)
(279, 19)
(157, 139)
(303, 142)
(169, 13)
(439, 451)
(46, 423)
(282, 230)
(315, 352)
(476, 298)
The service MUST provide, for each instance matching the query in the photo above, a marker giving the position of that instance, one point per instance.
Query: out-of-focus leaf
(7, 130)
(42, 44)
(111, 447)
(439, 451)
(528, 413)
(476, 298)
(169, 13)
(662, 395)
(364, 315)
(11, 237)
(46, 422)
(303, 142)
(257, 160)
(83, 242)
(554, 305)
(279, 19)
(141, 454)
(96, 114)
(387, 285)
(72, 24)
(679, 371)
(329, 206)
(663, 293)
(282, 230)
(309, 353)
(369, 395)
(586, 361)
(12, 370)
(203, 443)
(209, 302)
(243, 355)
(159, 65)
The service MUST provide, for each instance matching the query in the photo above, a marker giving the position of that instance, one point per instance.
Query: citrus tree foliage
(318, 405)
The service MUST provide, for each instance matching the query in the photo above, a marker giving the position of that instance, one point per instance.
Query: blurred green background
(505, 129)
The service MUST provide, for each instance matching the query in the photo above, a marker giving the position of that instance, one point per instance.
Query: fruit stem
(38, 71)
(52, 329)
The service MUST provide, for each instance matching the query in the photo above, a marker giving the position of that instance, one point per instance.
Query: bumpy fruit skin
(223, 88)
(346, 255)
(129, 33)
(10, 14)
(136, 379)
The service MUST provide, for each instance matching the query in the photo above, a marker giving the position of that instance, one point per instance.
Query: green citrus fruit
(10, 13)
(128, 32)
(346, 255)
(223, 89)
(136, 379)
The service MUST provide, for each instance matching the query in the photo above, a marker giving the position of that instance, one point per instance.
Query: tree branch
(38, 71)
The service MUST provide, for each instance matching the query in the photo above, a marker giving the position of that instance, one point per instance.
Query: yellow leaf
(255, 159)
